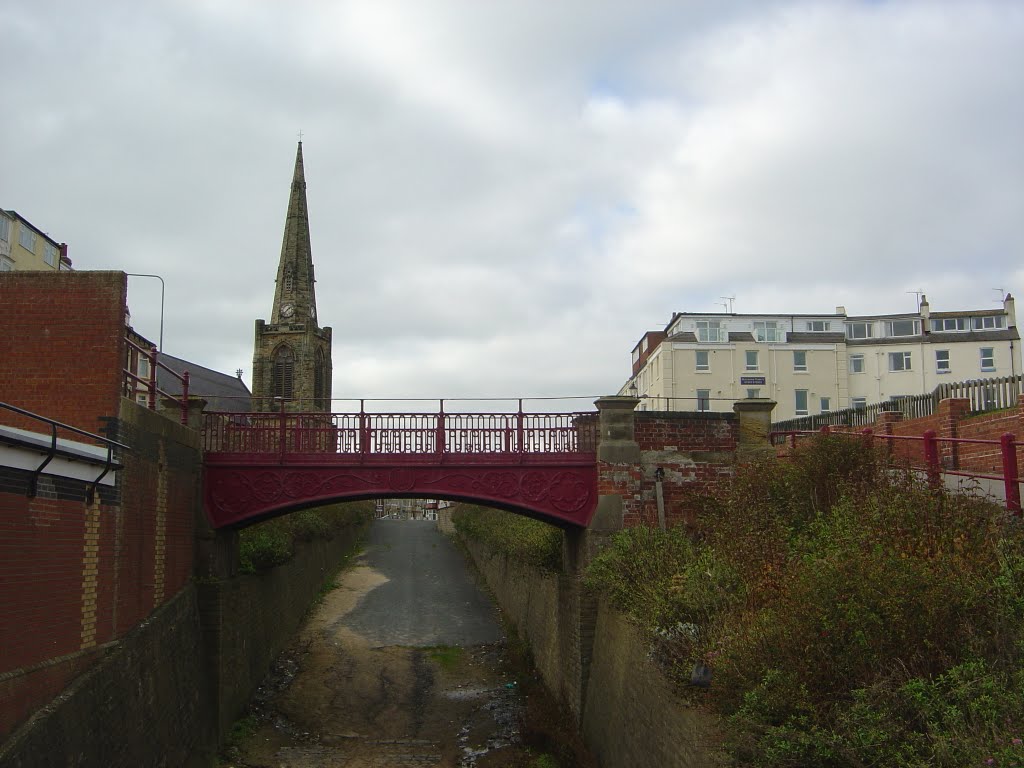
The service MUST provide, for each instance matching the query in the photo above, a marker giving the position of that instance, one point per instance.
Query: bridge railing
(391, 434)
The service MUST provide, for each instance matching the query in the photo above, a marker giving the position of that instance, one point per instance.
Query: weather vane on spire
(300, 136)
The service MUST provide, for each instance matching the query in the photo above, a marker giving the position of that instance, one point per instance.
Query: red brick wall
(63, 346)
(695, 451)
(66, 590)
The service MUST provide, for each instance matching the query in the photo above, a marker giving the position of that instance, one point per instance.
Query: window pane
(899, 361)
(942, 360)
(800, 361)
(988, 358)
(753, 393)
(751, 360)
(801, 402)
(826, 404)
(856, 363)
(859, 403)
(703, 399)
(703, 363)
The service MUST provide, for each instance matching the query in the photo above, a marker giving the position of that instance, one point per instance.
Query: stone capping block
(615, 435)
(755, 417)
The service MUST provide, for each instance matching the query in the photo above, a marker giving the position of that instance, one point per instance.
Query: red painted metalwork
(931, 463)
(541, 464)
(1011, 474)
(152, 390)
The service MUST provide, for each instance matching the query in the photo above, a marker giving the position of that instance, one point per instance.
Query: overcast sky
(504, 196)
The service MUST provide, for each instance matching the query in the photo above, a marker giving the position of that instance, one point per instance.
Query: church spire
(294, 296)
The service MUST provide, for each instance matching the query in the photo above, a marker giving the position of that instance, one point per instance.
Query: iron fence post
(931, 457)
(440, 432)
(184, 398)
(282, 431)
(1011, 476)
(152, 378)
(520, 449)
(364, 432)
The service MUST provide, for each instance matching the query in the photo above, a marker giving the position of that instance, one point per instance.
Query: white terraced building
(812, 364)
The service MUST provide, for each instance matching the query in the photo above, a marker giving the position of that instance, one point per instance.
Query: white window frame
(988, 323)
(766, 331)
(857, 364)
(704, 365)
(914, 327)
(859, 403)
(949, 324)
(753, 394)
(5, 228)
(826, 404)
(867, 327)
(818, 326)
(6, 265)
(27, 239)
(990, 358)
(703, 399)
(942, 364)
(50, 255)
(796, 402)
(797, 365)
(746, 360)
(709, 331)
(901, 359)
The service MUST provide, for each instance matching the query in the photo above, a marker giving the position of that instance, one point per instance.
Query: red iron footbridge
(258, 465)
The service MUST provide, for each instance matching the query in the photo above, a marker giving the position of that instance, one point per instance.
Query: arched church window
(282, 375)
(320, 381)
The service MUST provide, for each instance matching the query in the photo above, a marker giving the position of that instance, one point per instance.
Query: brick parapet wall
(75, 578)
(63, 346)
(686, 431)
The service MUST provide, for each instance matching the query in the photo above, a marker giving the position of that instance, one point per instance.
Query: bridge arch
(565, 496)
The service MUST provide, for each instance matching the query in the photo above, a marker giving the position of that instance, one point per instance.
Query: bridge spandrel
(543, 465)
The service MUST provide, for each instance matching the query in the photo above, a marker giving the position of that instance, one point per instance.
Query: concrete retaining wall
(248, 620)
(627, 712)
(145, 703)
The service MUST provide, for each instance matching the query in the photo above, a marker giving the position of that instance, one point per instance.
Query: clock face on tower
(287, 310)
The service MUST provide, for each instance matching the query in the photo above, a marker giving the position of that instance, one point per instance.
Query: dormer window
(859, 331)
(949, 324)
(818, 326)
(766, 330)
(709, 330)
(988, 323)
(903, 328)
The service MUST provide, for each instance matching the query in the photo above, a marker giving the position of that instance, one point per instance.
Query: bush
(851, 615)
(522, 538)
(270, 543)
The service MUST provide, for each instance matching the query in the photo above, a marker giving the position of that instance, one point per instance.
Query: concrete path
(429, 597)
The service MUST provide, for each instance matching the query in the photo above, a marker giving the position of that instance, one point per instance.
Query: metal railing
(984, 395)
(401, 434)
(959, 456)
(152, 355)
(55, 449)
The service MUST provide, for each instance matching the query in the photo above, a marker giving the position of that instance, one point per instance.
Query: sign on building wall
(751, 380)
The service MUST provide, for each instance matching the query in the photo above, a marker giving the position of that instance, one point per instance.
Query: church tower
(292, 355)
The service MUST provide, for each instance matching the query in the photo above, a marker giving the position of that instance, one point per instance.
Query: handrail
(55, 450)
(1007, 443)
(153, 356)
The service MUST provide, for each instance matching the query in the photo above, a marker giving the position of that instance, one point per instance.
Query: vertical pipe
(519, 432)
(364, 431)
(1011, 475)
